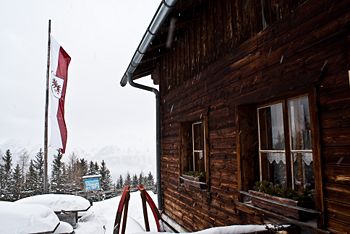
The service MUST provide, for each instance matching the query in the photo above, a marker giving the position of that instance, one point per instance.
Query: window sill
(270, 215)
(192, 182)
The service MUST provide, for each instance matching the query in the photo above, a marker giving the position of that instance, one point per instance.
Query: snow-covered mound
(58, 202)
(64, 228)
(26, 218)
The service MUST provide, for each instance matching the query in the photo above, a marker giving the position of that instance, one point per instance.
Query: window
(193, 158)
(285, 152)
(198, 147)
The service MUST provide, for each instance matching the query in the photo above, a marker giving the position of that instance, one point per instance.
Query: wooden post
(47, 109)
(144, 208)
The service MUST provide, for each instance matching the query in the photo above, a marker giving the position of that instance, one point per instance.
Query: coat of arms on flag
(56, 86)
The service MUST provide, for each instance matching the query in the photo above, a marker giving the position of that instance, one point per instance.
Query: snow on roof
(58, 202)
(26, 218)
(91, 176)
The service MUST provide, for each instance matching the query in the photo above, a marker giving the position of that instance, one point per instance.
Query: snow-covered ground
(36, 214)
(100, 217)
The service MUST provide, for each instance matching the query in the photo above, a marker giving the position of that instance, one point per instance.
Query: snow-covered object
(26, 218)
(58, 202)
(234, 229)
(64, 228)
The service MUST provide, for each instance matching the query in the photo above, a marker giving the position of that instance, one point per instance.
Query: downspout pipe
(157, 20)
(158, 153)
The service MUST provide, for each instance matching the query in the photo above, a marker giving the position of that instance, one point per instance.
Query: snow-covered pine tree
(7, 166)
(38, 164)
(127, 179)
(83, 166)
(16, 183)
(119, 183)
(91, 170)
(135, 181)
(57, 185)
(96, 167)
(32, 185)
(150, 181)
(106, 180)
(141, 179)
(82, 171)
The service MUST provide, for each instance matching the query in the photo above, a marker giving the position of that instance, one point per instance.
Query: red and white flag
(58, 86)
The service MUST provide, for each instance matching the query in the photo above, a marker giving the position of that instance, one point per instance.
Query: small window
(193, 156)
(198, 147)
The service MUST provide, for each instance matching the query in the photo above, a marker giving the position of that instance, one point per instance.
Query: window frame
(288, 151)
(203, 151)
(246, 121)
(186, 128)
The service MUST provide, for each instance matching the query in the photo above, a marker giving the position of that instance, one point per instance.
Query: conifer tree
(141, 179)
(96, 167)
(120, 182)
(134, 181)
(31, 183)
(83, 166)
(16, 183)
(56, 176)
(91, 170)
(127, 179)
(106, 181)
(38, 164)
(82, 169)
(7, 175)
(150, 180)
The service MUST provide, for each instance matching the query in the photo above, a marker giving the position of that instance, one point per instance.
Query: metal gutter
(157, 20)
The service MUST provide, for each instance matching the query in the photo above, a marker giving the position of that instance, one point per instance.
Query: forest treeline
(26, 177)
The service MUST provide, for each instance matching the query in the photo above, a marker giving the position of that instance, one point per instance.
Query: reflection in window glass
(301, 148)
(299, 123)
(303, 172)
(271, 127)
(198, 138)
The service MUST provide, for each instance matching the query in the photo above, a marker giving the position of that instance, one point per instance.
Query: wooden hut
(254, 95)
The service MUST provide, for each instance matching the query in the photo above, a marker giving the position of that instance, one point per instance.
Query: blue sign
(92, 184)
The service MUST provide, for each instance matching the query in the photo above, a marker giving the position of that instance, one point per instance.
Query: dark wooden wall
(223, 59)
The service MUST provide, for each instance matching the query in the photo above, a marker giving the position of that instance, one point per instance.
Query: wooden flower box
(284, 206)
(191, 181)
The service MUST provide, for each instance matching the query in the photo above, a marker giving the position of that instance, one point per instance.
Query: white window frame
(203, 151)
(284, 103)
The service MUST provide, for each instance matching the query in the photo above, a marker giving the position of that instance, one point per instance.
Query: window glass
(299, 123)
(301, 148)
(271, 127)
(199, 161)
(273, 167)
(198, 137)
(303, 173)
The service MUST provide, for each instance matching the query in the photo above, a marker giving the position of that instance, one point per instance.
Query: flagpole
(47, 110)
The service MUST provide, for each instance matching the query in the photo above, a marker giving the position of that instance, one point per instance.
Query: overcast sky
(101, 37)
